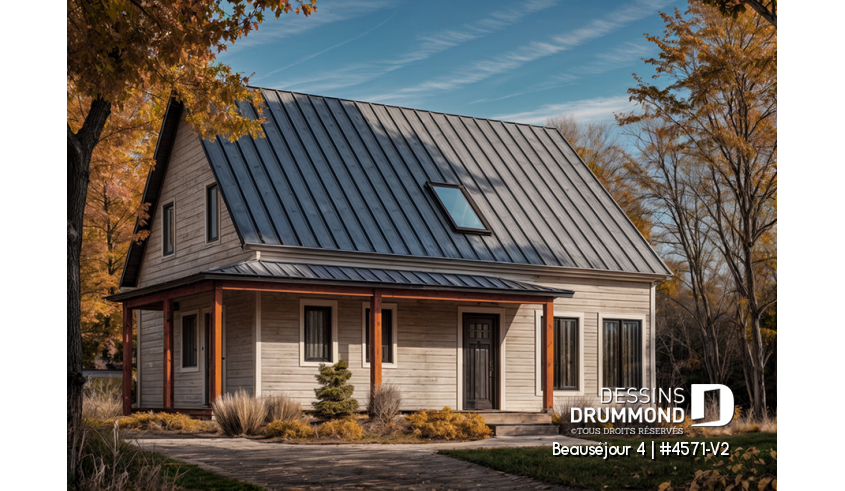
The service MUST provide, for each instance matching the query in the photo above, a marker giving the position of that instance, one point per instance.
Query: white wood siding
(188, 174)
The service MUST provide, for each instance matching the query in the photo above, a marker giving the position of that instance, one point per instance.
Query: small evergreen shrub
(239, 413)
(335, 394)
(384, 403)
(164, 421)
(346, 429)
(281, 407)
(292, 430)
(448, 425)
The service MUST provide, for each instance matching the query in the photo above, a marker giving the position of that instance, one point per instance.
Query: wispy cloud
(596, 109)
(428, 45)
(273, 31)
(514, 59)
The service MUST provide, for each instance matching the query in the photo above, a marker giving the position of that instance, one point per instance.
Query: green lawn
(630, 472)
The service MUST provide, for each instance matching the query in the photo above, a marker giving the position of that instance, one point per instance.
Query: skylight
(458, 206)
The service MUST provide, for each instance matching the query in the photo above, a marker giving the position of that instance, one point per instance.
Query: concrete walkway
(344, 466)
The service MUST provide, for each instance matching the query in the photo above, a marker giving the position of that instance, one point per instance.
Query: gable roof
(350, 176)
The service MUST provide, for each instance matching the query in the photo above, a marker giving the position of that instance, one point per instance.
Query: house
(474, 264)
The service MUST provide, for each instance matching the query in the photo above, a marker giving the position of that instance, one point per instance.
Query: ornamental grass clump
(384, 404)
(448, 425)
(282, 408)
(291, 430)
(335, 394)
(102, 399)
(177, 422)
(345, 429)
(239, 413)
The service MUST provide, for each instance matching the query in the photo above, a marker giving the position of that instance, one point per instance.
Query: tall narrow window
(386, 336)
(456, 203)
(622, 353)
(168, 230)
(318, 333)
(566, 353)
(212, 214)
(189, 341)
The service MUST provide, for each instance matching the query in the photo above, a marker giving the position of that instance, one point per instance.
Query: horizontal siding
(151, 342)
(188, 174)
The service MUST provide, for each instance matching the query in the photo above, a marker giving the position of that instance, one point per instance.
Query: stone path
(371, 466)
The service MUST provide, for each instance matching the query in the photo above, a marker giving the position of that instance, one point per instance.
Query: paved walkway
(343, 466)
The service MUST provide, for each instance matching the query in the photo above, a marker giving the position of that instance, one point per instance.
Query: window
(456, 203)
(386, 336)
(566, 362)
(212, 214)
(189, 341)
(622, 353)
(168, 230)
(318, 333)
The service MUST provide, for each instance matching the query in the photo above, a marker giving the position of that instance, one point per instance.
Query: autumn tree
(599, 146)
(768, 9)
(719, 94)
(118, 49)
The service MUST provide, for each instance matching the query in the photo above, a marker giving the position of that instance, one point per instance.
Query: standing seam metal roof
(349, 176)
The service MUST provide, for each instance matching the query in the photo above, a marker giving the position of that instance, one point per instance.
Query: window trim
(205, 213)
(171, 203)
(394, 329)
(644, 341)
(538, 337)
(180, 365)
(430, 185)
(317, 302)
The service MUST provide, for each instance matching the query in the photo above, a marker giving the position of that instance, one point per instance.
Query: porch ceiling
(255, 269)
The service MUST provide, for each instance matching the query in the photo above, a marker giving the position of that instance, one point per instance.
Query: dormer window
(456, 203)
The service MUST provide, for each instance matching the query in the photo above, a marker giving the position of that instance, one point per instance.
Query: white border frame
(171, 201)
(316, 302)
(468, 309)
(394, 330)
(600, 327)
(538, 356)
(181, 368)
(205, 214)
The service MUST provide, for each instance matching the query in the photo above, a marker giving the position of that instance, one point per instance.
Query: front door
(480, 346)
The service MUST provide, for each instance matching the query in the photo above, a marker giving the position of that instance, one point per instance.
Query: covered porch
(375, 289)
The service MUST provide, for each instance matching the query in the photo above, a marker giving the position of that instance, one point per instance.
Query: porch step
(515, 418)
(524, 429)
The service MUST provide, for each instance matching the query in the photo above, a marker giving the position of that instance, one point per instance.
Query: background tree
(599, 146)
(768, 9)
(118, 49)
(721, 100)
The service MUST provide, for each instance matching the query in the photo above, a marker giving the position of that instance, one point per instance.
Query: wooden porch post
(375, 341)
(167, 386)
(215, 375)
(548, 353)
(127, 360)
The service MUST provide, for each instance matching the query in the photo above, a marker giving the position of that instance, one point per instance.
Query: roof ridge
(404, 107)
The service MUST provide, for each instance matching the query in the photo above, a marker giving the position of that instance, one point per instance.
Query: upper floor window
(212, 214)
(168, 230)
(456, 203)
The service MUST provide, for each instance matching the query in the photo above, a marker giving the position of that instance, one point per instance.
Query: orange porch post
(167, 312)
(548, 354)
(127, 360)
(375, 341)
(215, 375)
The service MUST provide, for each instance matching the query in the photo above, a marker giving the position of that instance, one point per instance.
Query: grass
(630, 472)
(192, 477)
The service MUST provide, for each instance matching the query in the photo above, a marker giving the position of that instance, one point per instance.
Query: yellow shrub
(164, 421)
(346, 429)
(448, 425)
(290, 429)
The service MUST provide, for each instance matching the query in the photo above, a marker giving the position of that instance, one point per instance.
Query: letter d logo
(726, 403)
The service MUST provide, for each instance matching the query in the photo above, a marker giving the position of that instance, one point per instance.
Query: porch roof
(381, 278)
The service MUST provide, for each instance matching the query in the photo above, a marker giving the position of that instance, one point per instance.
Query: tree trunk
(80, 147)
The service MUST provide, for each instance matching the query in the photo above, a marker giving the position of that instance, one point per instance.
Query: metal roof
(349, 176)
(260, 269)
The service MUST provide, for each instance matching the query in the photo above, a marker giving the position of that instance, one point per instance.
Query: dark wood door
(480, 346)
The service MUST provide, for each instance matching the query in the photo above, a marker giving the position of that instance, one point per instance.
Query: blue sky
(521, 62)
